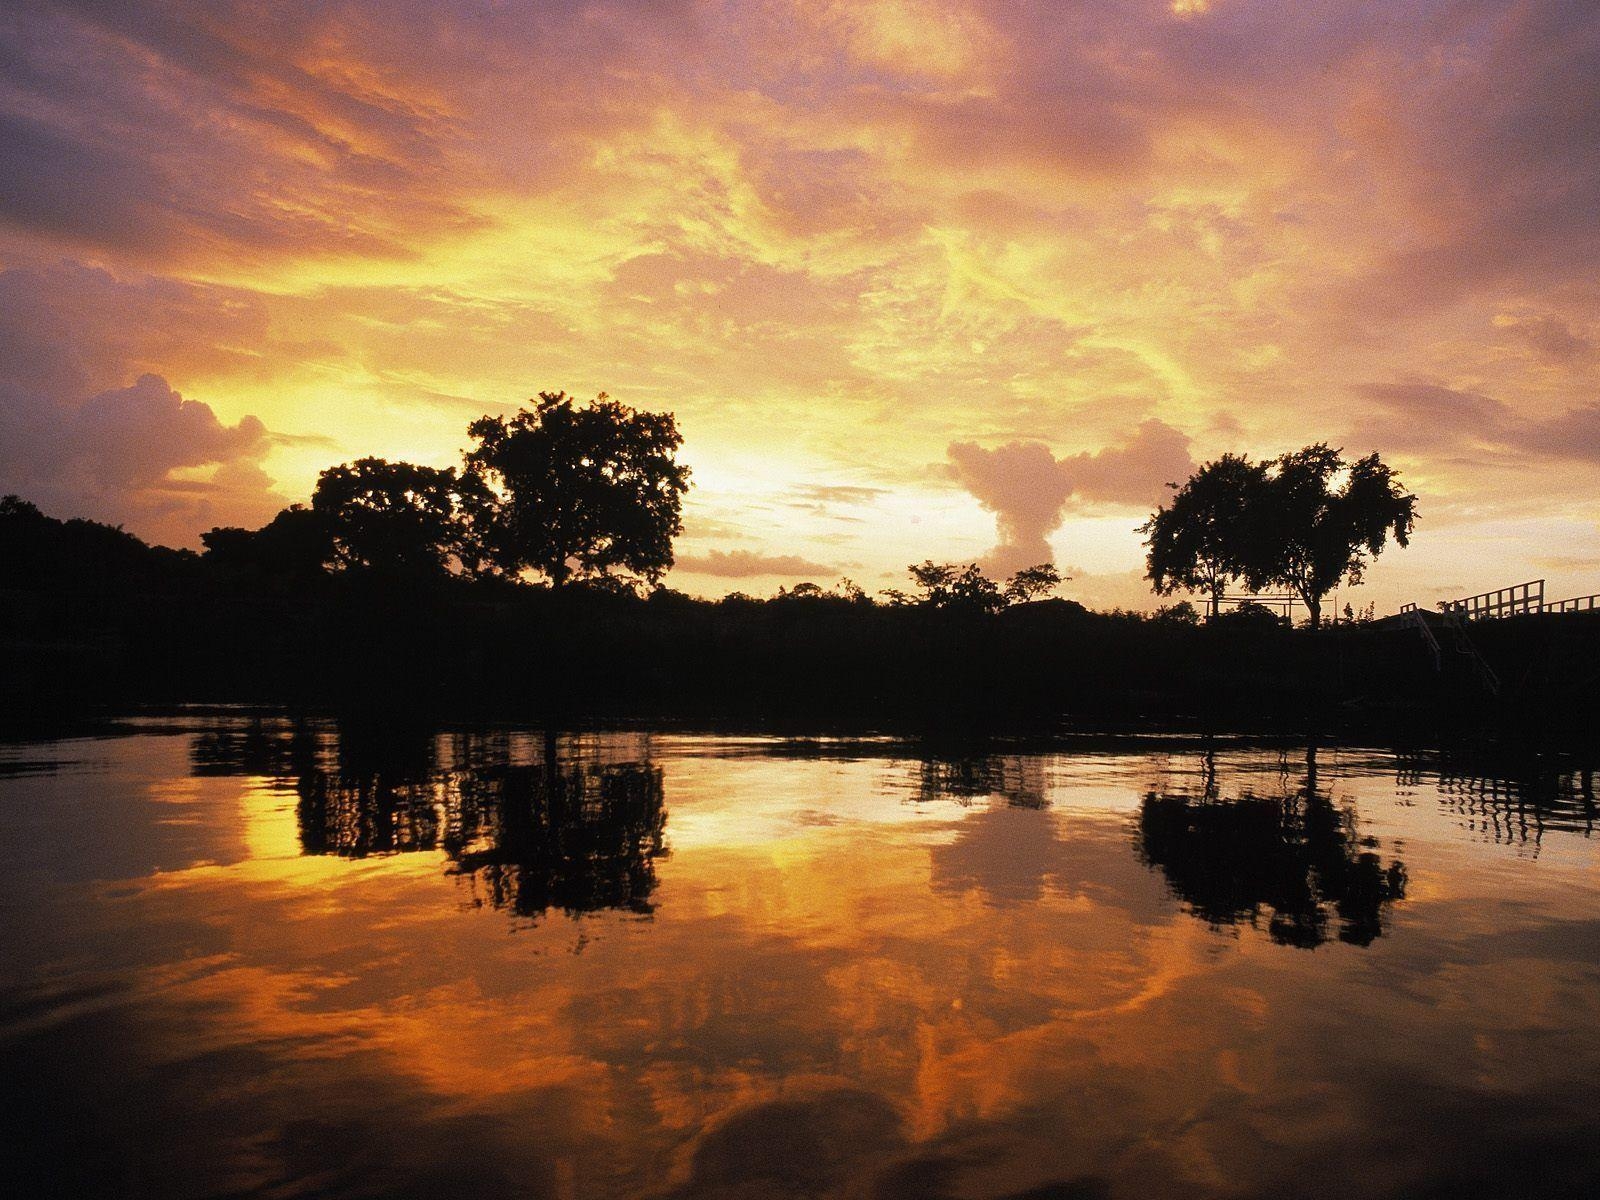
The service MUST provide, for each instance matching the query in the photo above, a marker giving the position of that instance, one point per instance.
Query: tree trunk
(1314, 606)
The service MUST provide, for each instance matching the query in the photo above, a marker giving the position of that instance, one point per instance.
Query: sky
(964, 281)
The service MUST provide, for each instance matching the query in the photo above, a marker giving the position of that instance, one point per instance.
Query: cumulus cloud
(140, 455)
(1028, 488)
(744, 564)
(78, 441)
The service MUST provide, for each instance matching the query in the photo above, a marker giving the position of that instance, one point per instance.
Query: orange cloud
(1028, 488)
(835, 239)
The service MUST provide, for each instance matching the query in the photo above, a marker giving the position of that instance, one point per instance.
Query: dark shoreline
(588, 659)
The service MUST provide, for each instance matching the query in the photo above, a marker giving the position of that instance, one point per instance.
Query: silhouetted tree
(801, 591)
(40, 552)
(1251, 614)
(949, 586)
(1181, 613)
(849, 589)
(399, 518)
(1204, 539)
(580, 490)
(1310, 536)
(966, 588)
(290, 549)
(1032, 583)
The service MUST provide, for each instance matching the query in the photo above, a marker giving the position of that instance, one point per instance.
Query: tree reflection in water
(1296, 857)
(562, 834)
(1019, 780)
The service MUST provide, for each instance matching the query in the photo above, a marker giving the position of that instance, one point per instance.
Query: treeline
(562, 496)
(316, 555)
(92, 617)
(526, 584)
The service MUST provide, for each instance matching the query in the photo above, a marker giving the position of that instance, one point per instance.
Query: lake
(254, 957)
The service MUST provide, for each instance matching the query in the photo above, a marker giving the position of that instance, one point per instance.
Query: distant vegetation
(568, 494)
(526, 583)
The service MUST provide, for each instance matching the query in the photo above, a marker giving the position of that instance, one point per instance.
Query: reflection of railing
(1512, 808)
(1502, 602)
(1575, 604)
(1520, 812)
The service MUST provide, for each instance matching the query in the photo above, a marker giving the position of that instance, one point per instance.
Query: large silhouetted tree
(397, 518)
(1203, 541)
(1314, 531)
(288, 550)
(580, 490)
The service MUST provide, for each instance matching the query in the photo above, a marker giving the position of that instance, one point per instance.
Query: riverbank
(533, 654)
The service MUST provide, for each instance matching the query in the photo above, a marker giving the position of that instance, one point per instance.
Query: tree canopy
(291, 549)
(1314, 535)
(580, 490)
(957, 587)
(1307, 520)
(1202, 542)
(399, 518)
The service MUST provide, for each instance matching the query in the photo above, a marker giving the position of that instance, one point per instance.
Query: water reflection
(1513, 804)
(570, 835)
(1296, 856)
(577, 838)
(871, 970)
(1019, 780)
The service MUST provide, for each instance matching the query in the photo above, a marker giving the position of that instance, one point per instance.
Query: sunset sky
(951, 280)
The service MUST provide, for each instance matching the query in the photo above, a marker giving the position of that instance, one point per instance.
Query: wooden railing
(1576, 604)
(1516, 600)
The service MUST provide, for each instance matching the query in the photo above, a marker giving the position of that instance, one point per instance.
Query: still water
(263, 959)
